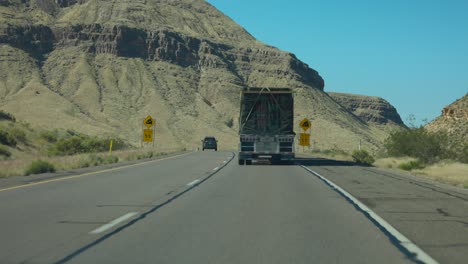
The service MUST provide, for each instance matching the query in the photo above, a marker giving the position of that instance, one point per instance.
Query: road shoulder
(431, 214)
(16, 181)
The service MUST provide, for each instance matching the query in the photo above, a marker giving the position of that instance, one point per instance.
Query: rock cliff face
(158, 45)
(453, 120)
(101, 66)
(369, 108)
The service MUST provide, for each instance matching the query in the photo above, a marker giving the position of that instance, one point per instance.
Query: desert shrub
(49, 136)
(67, 146)
(362, 157)
(6, 116)
(7, 139)
(146, 155)
(39, 166)
(74, 144)
(95, 160)
(111, 159)
(411, 165)
(419, 143)
(462, 155)
(17, 135)
(71, 132)
(83, 163)
(4, 152)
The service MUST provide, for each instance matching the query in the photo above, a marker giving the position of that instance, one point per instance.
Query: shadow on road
(323, 162)
(308, 162)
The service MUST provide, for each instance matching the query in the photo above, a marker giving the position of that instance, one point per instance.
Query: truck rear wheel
(248, 162)
(241, 162)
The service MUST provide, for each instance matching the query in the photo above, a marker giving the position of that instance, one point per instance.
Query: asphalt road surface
(204, 208)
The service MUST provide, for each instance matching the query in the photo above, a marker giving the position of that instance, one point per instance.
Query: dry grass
(453, 173)
(18, 167)
(392, 163)
(448, 172)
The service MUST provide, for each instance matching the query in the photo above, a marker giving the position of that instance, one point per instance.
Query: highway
(202, 207)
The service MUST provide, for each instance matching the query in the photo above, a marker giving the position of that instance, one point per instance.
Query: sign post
(110, 147)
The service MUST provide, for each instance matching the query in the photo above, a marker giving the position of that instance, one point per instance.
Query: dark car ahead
(210, 143)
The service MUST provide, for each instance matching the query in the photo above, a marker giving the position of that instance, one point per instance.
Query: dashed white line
(420, 255)
(216, 168)
(194, 182)
(113, 223)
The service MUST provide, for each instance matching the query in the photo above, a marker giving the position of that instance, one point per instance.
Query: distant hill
(100, 67)
(453, 120)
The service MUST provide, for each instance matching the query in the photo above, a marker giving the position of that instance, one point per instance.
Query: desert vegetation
(425, 146)
(428, 154)
(6, 116)
(39, 166)
(30, 165)
(417, 150)
(73, 142)
(26, 151)
(363, 157)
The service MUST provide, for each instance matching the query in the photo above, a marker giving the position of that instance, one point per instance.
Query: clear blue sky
(413, 53)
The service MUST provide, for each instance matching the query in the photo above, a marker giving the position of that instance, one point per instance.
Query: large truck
(266, 125)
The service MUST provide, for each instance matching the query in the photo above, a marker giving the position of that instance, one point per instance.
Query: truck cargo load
(266, 112)
(266, 125)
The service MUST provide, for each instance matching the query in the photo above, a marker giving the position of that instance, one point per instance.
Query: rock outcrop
(369, 108)
(454, 121)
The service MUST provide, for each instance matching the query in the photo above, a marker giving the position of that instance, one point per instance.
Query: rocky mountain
(371, 109)
(100, 67)
(453, 120)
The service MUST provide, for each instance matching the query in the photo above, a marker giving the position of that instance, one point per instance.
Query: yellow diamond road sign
(149, 122)
(305, 124)
(147, 135)
(304, 140)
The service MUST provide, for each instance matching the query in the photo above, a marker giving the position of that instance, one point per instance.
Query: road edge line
(90, 173)
(403, 241)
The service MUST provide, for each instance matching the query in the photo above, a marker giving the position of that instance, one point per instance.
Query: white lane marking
(113, 223)
(404, 241)
(224, 161)
(216, 168)
(194, 182)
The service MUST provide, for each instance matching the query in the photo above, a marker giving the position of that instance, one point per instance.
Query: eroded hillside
(101, 66)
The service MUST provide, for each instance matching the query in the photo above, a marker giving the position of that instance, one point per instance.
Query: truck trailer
(266, 125)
